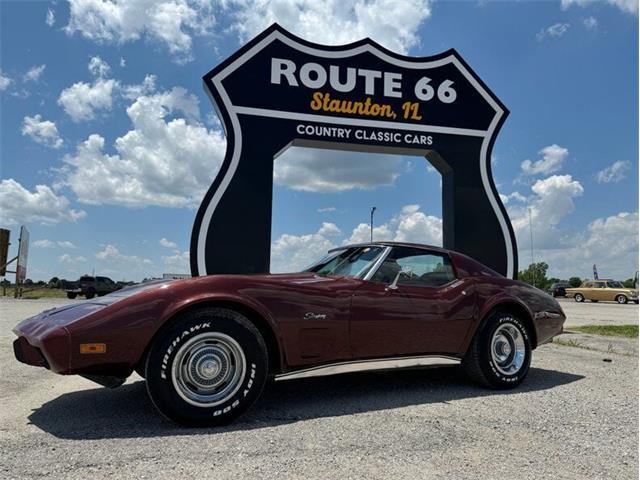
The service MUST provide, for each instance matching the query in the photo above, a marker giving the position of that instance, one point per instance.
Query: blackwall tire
(90, 294)
(621, 299)
(579, 297)
(207, 368)
(71, 296)
(499, 356)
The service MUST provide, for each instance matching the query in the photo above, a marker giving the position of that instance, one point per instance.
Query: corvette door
(428, 312)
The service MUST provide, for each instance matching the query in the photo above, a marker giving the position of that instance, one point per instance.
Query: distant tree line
(536, 275)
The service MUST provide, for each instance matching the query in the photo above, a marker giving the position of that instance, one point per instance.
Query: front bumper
(42, 345)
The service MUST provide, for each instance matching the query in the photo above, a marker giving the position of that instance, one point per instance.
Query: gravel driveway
(576, 416)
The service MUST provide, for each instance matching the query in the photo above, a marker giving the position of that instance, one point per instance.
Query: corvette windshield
(352, 262)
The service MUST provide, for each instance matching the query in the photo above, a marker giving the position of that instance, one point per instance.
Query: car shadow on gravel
(127, 412)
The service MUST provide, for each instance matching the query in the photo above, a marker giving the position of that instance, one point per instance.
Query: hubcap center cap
(209, 368)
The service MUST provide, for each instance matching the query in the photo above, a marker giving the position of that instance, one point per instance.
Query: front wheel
(500, 353)
(208, 368)
(579, 297)
(621, 299)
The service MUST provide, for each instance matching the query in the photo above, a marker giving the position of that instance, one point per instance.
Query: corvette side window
(419, 268)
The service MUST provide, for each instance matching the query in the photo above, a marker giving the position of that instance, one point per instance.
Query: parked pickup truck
(91, 286)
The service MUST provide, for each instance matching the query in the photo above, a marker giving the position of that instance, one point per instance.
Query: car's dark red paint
(305, 319)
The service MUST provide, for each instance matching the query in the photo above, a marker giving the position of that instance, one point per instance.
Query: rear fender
(497, 302)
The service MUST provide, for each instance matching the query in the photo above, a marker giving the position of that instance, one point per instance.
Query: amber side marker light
(93, 348)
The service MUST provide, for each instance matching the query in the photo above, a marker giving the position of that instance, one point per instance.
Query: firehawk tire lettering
(169, 396)
(479, 364)
(175, 343)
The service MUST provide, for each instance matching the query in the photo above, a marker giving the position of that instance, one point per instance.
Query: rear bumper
(548, 325)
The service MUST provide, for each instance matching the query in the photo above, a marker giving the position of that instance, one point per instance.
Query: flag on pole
(595, 272)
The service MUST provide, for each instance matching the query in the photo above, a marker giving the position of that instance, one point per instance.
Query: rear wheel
(500, 353)
(579, 297)
(71, 296)
(90, 294)
(208, 368)
(621, 299)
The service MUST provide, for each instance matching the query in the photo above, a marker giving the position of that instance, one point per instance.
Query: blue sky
(108, 140)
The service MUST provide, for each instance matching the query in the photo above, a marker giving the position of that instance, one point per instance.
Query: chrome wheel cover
(208, 369)
(508, 349)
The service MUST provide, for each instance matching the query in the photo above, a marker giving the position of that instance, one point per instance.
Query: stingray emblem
(314, 316)
(280, 91)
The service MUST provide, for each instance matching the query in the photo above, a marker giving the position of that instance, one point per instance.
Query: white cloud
(552, 159)
(167, 243)
(552, 200)
(44, 243)
(18, 205)
(66, 258)
(123, 62)
(132, 92)
(4, 81)
(111, 254)
(517, 196)
(590, 23)
(556, 30)
(98, 67)
(627, 6)
(327, 210)
(42, 131)
(164, 162)
(316, 170)
(65, 244)
(34, 73)
(613, 173)
(392, 23)
(51, 18)
(329, 230)
(177, 263)
(610, 242)
(290, 253)
(171, 23)
(81, 100)
(415, 226)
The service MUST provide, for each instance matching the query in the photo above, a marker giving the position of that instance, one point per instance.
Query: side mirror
(406, 272)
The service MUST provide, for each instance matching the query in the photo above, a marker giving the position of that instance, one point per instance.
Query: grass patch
(38, 293)
(629, 331)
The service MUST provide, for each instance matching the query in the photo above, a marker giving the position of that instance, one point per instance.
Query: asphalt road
(601, 313)
(576, 416)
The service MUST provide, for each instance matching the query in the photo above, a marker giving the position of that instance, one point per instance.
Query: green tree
(535, 274)
(630, 283)
(575, 282)
(54, 282)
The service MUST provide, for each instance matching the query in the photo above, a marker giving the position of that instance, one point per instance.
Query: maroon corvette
(207, 345)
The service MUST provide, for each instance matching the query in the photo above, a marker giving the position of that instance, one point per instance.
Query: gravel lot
(576, 416)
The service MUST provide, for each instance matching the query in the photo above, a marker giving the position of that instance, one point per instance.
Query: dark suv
(558, 290)
(91, 286)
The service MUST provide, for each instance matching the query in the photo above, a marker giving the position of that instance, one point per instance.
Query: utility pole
(373, 209)
(533, 271)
